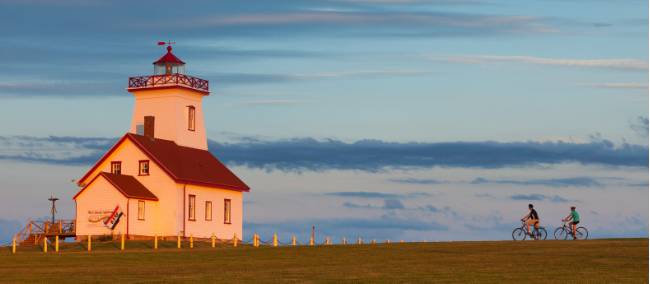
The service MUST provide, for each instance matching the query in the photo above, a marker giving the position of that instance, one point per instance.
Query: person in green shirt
(574, 219)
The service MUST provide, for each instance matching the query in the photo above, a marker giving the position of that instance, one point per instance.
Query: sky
(401, 119)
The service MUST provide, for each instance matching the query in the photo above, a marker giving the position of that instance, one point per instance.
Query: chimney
(149, 126)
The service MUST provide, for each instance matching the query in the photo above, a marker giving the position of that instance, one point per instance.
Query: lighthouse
(159, 179)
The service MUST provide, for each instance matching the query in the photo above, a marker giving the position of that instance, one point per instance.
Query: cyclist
(574, 218)
(531, 218)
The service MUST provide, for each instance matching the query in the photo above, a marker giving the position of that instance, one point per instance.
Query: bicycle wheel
(518, 234)
(560, 234)
(582, 233)
(541, 233)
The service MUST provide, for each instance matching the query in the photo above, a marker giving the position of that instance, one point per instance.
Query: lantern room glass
(168, 68)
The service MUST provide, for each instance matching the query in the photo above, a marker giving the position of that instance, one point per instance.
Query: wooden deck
(35, 231)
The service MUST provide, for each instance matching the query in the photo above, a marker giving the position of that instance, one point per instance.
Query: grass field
(617, 260)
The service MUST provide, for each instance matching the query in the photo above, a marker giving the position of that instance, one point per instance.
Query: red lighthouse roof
(169, 57)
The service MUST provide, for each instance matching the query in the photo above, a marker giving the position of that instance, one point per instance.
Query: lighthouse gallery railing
(168, 80)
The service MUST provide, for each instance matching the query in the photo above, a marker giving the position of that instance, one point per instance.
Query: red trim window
(141, 210)
(143, 168)
(191, 207)
(191, 118)
(116, 167)
(227, 209)
(208, 210)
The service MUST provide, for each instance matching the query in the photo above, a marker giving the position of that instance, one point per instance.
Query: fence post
(275, 239)
(191, 241)
(13, 245)
(56, 243)
(90, 243)
(213, 240)
(155, 242)
(256, 240)
(44, 244)
(311, 241)
(122, 241)
(234, 240)
(178, 241)
(293, 240)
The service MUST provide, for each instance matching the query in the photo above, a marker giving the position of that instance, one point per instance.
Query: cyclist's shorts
(575, 222)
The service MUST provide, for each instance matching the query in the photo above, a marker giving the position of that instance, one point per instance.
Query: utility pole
(53, 210)
(313, 237)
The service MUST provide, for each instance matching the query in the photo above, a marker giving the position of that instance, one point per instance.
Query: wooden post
(213, 240)
(234, 240)
(293, 240)
(311, 241)
(191, 241)
(44, 244)
(122, 242)
(60, 227)
(275, 239)
(178, 241)
(56, 243)
(155, 242)
(13, 245)
(90, 243)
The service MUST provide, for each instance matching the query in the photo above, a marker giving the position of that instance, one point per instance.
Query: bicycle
(520, 234)
(562, 233)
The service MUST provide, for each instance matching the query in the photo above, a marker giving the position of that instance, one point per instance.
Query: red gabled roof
(183, 164)
(127, 185)
(169, 57)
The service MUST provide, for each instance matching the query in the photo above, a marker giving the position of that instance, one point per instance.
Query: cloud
(376, 195)
(417, 181)
(393, 204)
(389, 204)
(539, 197)
(366, 155)
(554, 182)
(616, 63)
(640, 126)
(637, 86)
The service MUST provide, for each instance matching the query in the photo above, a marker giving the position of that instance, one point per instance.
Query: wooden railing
(40, 229)
(141, 82)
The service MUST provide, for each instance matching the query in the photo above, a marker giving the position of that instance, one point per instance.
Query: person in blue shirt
(574, 219)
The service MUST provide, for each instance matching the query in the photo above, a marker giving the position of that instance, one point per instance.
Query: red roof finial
(169, 57)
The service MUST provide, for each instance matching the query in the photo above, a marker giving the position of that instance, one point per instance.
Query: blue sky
(458, 112)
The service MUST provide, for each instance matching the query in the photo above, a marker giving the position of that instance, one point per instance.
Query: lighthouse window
(144, 168)
(208, 210)
(140, 209)
(191, 118)
(226, 211)
(116, 168)
(192, 208)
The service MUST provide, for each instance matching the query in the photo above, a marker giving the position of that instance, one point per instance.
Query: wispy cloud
(539, 197)
(554, 182)
(640, 125)
(366, 155)
(373, 194)
(634, 86)
(614, 63)
(417, 181)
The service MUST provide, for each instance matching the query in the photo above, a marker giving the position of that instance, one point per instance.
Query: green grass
(619, 260)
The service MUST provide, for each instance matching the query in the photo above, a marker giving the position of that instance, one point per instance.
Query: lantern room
(169, 64)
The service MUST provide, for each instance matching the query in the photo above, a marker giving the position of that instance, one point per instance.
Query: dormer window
(191, 118)
(116, 167)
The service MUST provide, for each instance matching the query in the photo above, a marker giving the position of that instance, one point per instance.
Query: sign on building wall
(108, 218)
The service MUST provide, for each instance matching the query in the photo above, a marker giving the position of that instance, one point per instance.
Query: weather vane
(167, 42)
(53, 210)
